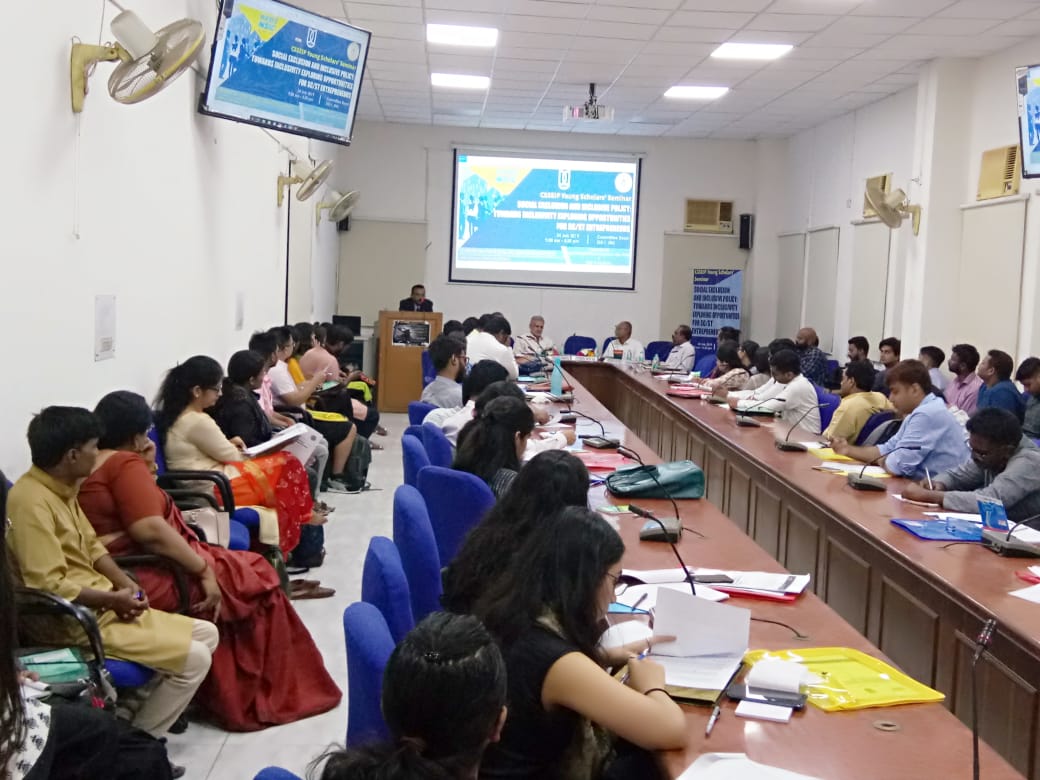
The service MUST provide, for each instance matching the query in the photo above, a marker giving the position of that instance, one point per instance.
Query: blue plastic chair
(429, 373)
(828, 405)
(417, 411)
(705, 364)
(417, 546)
(574, 344)
(456, 501)
(413, 430)
(606, 343)
(369, 645)
(658, 349)
(438, 448)
(385, 586)
(414, 456)
(275, 773)
(873, 422)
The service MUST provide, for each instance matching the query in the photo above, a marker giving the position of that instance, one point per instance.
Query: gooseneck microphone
(982, 644)
(861, 482)
(639, 511)
(602, 430)
(786, 444)
(750, 422)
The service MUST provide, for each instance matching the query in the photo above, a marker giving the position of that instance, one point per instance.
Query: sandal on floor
(313, 593)
(375, 446)
(381, 431)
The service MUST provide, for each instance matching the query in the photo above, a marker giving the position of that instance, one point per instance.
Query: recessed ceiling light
(461, 35)
(752, 51)
(459, 81)
(696, 93)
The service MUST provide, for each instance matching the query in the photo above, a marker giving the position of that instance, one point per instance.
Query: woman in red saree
(266, 669)
(193, 441)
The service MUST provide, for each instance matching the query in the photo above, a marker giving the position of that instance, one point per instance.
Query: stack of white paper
(645, 596)
(735, 766)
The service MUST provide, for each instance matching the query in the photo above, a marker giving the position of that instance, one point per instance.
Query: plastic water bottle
(657, 362)
(556, 380)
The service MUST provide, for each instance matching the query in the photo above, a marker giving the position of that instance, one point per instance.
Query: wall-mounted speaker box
(747, 230)
(343, 225)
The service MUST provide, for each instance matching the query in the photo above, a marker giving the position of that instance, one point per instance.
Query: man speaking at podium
(417, 301)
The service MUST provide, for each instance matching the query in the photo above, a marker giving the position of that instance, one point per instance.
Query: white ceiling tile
(508, 38)
(503, 65)
(548, 8)
(937, 26)
(872, 25)
(408, 32)
(918, 8)
(988, 9)
(592, 43)
(633, 32)
(813, 6)
(718, 20)
(841, 40)
(537, 24)
(467, 18)
(332, 8)
(601, 73)
(753, 6)
(528, 53)
(468, 5)
(682, 36)
(631, 15)
(460, 63)
(362, 13)
(1018, 28)
(791, 22)
(766, 36)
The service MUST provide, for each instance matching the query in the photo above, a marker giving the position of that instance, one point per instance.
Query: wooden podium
(403, 336)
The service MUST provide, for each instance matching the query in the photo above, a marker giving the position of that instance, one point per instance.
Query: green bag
(678, 479)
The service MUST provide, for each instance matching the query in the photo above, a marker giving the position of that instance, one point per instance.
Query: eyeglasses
(619, 586)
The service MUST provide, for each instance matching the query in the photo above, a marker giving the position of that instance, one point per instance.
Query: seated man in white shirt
(448, 354)
(623, 346)
(791, 394)
(533, 347)
(492, 343)
(681, 357)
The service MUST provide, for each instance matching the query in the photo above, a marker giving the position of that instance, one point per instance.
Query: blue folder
(942, 530)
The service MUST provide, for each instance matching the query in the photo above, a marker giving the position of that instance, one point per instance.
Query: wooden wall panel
(908, 631)
(738, 497)
(801, 548)
(846, 585)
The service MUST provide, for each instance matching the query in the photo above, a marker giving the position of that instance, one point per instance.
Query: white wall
(172, 212)
(404, 174)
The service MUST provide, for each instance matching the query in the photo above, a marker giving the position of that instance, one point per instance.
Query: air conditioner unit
(999, 174)
(709, 216)
(883, 183)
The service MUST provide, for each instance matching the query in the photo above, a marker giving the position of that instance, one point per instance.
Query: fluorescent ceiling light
(752, 51)
(696, 93)
(459, 81)
(461, 35)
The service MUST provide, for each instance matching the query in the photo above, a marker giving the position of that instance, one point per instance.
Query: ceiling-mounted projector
(590, 110)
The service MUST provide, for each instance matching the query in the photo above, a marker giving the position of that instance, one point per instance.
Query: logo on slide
(312, 38)
(623, 182)
(354, 51)
(564, 179)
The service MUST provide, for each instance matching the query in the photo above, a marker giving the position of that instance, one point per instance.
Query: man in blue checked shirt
(929, 442)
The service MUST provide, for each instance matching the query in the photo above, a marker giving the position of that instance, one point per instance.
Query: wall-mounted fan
(148, 62)
(309, 179)
(339, 206)
(891, 207)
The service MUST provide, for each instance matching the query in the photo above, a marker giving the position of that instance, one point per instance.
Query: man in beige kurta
(54, 548)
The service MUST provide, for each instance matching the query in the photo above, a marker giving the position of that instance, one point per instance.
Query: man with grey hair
(533, 348)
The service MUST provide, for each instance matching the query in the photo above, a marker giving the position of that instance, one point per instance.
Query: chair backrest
(705, 364)
(275, 773)
(429, 373)
(384, 585)
(414, 456)
(606, 343)
(417, 546)
(417, 411)
(160, 456)
(456, 501)
(829, 404)
(574, 344)
(882, 433)
(413, 430)
(872, 424)
(660, 349)
(438, 448)
(369, 645)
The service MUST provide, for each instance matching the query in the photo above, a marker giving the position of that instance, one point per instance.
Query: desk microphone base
(998, 542)
(748, 422)
(651, 531)
(856, 482)
(790, 446)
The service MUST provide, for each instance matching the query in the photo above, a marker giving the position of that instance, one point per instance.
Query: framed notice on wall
(716, 304)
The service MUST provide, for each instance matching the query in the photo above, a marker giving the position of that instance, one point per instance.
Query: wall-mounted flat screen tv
(277, 66)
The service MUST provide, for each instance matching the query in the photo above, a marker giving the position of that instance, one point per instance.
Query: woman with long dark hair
(491, 446)
(729, 370)
(266, 670)
(444, 697)
(192, 440)
(568, 717)
(546, 484)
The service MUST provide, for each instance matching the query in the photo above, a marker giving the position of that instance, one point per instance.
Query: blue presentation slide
(523, 213)
(1029, 119)
(285, 68)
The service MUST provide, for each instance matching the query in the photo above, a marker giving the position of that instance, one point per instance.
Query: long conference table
(875, 588)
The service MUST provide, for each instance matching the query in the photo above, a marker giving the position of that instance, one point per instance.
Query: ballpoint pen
(928, 476)
(711, 721)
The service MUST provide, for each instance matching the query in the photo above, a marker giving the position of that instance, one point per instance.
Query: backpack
(356, 472)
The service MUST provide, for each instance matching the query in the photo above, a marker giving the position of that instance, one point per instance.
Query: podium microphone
(861, 482)
(750, 422)
(668, 537)
(982, 643)
(795, 446)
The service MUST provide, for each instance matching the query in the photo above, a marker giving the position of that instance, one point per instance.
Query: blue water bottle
(556, 380)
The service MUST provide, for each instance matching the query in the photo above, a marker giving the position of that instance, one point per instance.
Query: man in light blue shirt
(930, 440)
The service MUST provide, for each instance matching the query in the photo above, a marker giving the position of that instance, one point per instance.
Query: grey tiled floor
(212, 754)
